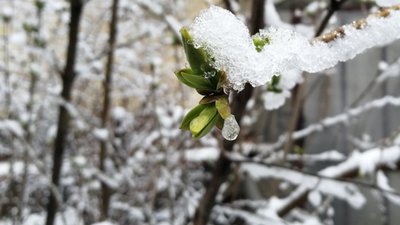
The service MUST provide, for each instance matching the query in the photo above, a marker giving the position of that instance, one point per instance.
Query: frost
(231, 128)
(228, 42)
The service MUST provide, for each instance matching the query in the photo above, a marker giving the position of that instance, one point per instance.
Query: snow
(345, 191)
(104, 223)
(314, 6)
(228, 42)
(366, 162)
(274, 100)
(118, 113)
(101, 134)
(18, 168)
(80, 160)
(346, 116)
(315, 198)
(331, 155)
(272, 18)
(392, 70)
(111, 182)
(68, 217)
(202, 154)
(387, 3)
(11, 126)
(7, 12)
(383, 183)
(250, 218)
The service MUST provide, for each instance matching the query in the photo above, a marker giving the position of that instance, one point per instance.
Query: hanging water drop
(231, 128)
(209, 74)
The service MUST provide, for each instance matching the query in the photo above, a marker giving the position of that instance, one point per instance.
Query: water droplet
(196, 45)
(231, 128)
(213, 73)
(209, 74)
(190, 42)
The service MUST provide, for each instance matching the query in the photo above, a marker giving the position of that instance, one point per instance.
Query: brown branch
(107, 86)
(64, 117)
(223, 165)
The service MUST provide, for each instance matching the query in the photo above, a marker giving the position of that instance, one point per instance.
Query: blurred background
(89, 122)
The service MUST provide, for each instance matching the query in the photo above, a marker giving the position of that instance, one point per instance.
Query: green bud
(273, 84)
(203, 123)
(192, 114)
(196, 57)
(194, 81)
(222, 105)
(260, 42)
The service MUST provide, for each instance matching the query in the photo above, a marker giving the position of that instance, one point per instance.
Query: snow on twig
(343, 118)
(228, 42)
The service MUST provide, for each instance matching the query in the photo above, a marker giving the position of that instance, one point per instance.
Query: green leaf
(209, 126)
(222, 105)
(203, 123)
(205, 92)
(195, 56)
(260, 42)
(194, 81)
(193, 113)
(273, 84)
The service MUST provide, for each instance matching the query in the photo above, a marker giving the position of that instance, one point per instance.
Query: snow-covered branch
(228, 42)
(344, 118)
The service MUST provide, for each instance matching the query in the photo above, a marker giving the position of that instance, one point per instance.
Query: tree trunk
(238, 106)
(105, 190)
(63, 117)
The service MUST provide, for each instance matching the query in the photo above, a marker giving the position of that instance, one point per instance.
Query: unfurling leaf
(194, 81)
(190, 116)
(204, 122)
(195, 56)
(222, 105)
